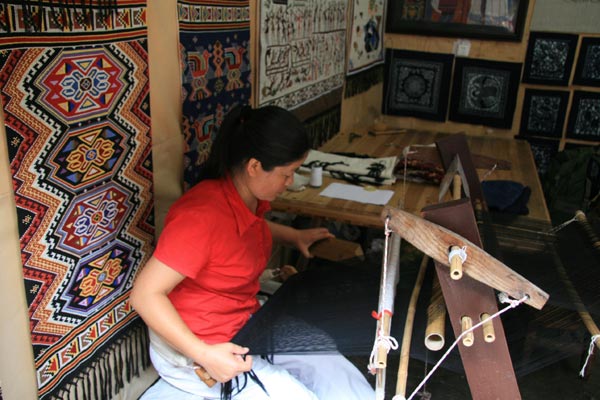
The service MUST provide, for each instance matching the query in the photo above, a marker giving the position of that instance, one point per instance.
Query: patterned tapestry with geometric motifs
(215, 58)
(77, 119)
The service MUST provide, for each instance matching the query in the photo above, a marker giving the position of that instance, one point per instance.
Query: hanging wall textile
(214, 47)
(302, 50)
(366, 44)
(365, 50)
(76, 110)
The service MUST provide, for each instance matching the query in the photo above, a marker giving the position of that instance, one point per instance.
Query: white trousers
(290, 377)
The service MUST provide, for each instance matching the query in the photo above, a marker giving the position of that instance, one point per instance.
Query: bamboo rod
(408, 327)
(489, 334)
(584, 314)
(387, 293)
(456, 187)
(456, 265)
(436, 318)
(466, 324)
(456, 262)
(382, 351)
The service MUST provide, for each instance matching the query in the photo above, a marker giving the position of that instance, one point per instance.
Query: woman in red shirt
(199, 287)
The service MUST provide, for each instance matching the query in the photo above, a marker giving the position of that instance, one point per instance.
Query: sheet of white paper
(357, 193)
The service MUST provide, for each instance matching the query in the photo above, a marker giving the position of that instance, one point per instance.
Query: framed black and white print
(549, 58)
(587, 70)
(484, 92)
(417, 84)
(544, 112)
(584, 118)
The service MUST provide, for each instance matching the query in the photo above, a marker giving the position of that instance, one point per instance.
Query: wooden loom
(486, 359)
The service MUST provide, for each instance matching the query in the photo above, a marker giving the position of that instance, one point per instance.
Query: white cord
(590, 352)
(488, 173)
(503, 297)
(387, 342)
(561, 226)
(461, 252)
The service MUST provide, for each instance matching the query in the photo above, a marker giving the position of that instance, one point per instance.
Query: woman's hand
(225, 361)
(306, 237)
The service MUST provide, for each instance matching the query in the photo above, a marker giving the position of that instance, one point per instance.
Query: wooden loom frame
(487, 363)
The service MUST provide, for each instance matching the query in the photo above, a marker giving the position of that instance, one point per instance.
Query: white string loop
(459, 251)
(589, 355)
(512, 304)
(504, 299)
(387, 342)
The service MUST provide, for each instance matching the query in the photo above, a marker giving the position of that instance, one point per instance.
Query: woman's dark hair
(270, 134)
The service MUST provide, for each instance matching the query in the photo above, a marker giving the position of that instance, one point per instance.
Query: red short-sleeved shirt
(212, 238)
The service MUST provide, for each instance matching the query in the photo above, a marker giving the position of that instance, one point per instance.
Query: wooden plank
(488, 366)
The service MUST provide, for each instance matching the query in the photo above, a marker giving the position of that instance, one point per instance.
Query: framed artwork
(480, 19)
(587, 70)
(484, 92)
(417, 84)
(544, 112)
(584, 118)
(549, 58)
(543, 151)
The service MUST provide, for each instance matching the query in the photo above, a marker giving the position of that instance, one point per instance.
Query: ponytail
(270, 134)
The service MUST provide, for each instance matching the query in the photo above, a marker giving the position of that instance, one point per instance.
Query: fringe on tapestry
(108, 373)
(363, 81)
(62, 13)
(323, 126)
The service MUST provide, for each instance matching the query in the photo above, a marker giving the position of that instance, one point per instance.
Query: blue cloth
(506, 196)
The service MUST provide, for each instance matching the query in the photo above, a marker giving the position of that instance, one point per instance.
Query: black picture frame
(544, 112)
(587, 69)
(484, 92)
(543, 151)
(584, 117)
(419, 17)
(549, 58)
(417, 84)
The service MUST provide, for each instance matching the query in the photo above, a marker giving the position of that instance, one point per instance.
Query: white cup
(316, 176)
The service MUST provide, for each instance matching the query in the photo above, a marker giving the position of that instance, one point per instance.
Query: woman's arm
(149, 298)
(302, 239)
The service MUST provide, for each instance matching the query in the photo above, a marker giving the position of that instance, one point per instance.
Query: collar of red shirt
(243, 216)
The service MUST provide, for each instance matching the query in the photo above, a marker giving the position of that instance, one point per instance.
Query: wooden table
(309, 203)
